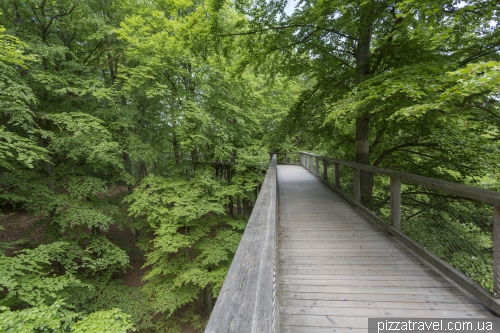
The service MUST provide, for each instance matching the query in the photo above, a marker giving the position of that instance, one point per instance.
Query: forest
(134, 136)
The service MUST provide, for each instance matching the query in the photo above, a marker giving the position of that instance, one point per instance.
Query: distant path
(338, 269)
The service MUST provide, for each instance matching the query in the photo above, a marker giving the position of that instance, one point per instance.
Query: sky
(290, 7)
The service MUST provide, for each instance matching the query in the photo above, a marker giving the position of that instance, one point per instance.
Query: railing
(248, 300)
(454, 227)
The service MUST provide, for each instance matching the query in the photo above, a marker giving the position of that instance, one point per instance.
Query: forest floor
(27, 231)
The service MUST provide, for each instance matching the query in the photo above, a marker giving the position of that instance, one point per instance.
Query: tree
(345, 49)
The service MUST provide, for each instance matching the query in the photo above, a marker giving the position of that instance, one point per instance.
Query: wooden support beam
(357, 185)
(325, 170)
(317, 165)
(396, 203)
(337, 175)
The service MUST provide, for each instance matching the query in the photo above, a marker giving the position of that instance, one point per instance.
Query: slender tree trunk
(238, 205)
(176, 148)
(245, 207)
(362, 145)
(128, 167)
(231, 206)
(208, 299)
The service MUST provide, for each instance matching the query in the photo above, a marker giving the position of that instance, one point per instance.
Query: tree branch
(486, 51)
(404, 145)
(331, 55)
(282, 27)
(484, 109)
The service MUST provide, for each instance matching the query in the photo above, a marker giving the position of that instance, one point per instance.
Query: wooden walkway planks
(337, 268)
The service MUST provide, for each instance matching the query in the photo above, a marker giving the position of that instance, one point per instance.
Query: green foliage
(31, 282)
(131, 300)
(44, 318)
(193, 244)
(29, 277)
(16, 149)
(58, 318)
(111, 320)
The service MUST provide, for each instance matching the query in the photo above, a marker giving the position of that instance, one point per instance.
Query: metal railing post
(286, 162)
(396, 203)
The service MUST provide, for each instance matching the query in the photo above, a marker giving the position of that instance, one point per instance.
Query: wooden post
(357, 185)
(325, 170)
(337, 175)
(396, 203)
(496, 250)
(317, 165)
(286, 162)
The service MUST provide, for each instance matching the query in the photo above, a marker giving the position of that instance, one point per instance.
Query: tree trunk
(245, 207)
(208, 299)
(128, 167)
(231, 207)
(238, 205)
(362, 145)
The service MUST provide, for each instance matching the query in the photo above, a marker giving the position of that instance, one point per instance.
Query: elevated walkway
(337, 268)
(314, 259)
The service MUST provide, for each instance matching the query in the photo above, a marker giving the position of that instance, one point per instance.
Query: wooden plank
(389, 278)
(329, 261)
(329, 251)
(335, 304)
(312, 329)
(368, 297)
(324, 321)
(384, 266)
(351, 259)
(354, 322)
(410, 290)
(363, 283)
(358, 271)
(386, 313)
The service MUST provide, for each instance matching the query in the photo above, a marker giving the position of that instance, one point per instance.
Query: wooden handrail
(487, 196)
(248, 300)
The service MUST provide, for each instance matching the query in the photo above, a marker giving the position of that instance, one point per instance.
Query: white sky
(290, 7)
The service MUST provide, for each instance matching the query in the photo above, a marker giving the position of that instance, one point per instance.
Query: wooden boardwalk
(337, 268)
